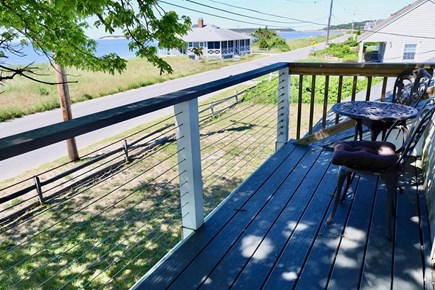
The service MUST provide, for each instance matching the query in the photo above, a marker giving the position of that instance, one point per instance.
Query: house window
(190, 44)
(214, 45)
(409, 51)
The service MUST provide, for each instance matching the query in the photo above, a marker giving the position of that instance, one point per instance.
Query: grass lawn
(22, 96)
(111, 230)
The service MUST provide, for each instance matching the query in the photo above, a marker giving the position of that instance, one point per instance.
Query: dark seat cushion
(365, 155)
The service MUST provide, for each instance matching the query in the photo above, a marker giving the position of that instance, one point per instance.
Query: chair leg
(342, 174)
(348, 182)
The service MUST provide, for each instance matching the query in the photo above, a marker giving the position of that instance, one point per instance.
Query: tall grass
(21, 96)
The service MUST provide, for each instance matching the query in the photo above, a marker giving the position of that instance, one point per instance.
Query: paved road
(13, 166)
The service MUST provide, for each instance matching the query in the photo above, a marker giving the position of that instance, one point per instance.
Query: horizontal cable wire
(94, 236)
(239, 139)
(101, 226)
(15, 184)
(244, 164)
(131, 164)
(86, 155)
(228, 135)
(133, 259)
(95, 216)
(205, 104)
(90, 238)
(251, 144)
(113, 233)
(76, 177)
(121, 155)
(177, 210)
(94, 201)
(251, 105)
(214, 122)
(241, 119)
(263, 136)
(19, 203)
(57, 257)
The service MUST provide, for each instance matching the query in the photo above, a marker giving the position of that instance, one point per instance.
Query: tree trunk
(65, 105)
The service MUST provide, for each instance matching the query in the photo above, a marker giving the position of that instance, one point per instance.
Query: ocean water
(120, 46)
(300, 34)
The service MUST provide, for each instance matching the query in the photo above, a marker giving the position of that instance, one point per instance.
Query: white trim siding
(410, 25)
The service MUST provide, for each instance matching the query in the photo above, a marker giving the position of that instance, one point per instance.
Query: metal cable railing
(95, 216)
(93, 159)
(101, 180)
(102, 220)
(60, 205)
(229, 131)
(106, 253)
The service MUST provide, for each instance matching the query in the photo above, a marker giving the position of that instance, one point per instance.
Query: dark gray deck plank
(350, 256)
(162, 276)
(299, 241)
(254, 235)
(204, 263)
(408, 266)
(377, 271)
(318, 265)
(272, 230)
(290, 222)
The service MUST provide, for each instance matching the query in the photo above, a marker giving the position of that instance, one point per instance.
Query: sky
(296, 14)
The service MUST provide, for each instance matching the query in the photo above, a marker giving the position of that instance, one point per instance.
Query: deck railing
(304, 94)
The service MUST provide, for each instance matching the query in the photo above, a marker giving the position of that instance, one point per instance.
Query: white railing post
(189, 165)
(283, 108)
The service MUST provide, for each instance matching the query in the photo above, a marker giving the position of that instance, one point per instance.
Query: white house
(406, 36)
(216, 42)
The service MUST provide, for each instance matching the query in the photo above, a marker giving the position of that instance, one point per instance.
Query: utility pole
(329, 23)
(65, 106)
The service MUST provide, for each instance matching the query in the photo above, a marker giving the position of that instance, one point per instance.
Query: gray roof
(213, 33)
(395, 16)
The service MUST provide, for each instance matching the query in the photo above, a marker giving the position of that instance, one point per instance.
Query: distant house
(216, 42)
(369, 25)
(406, 36)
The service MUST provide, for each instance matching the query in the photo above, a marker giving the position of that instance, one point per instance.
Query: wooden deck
(271, 233)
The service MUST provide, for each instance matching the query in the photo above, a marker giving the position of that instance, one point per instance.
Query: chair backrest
(419, 126)
(410, 86)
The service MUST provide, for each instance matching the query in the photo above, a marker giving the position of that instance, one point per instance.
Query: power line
(235, 13)
(219, 16)
(269, 14)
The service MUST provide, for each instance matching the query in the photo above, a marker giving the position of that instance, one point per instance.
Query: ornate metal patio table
(359, 110)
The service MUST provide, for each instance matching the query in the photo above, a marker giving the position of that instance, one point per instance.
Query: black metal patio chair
(409, 88)
(378, 158)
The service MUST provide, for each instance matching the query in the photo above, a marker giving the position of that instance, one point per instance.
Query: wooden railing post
(283, 108)
(189, 165)
(38, 188)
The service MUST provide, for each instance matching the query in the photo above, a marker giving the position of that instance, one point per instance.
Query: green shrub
(348, 50)
(266, 91)
(43, 91)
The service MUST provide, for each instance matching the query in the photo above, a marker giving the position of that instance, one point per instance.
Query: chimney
(200, 23)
